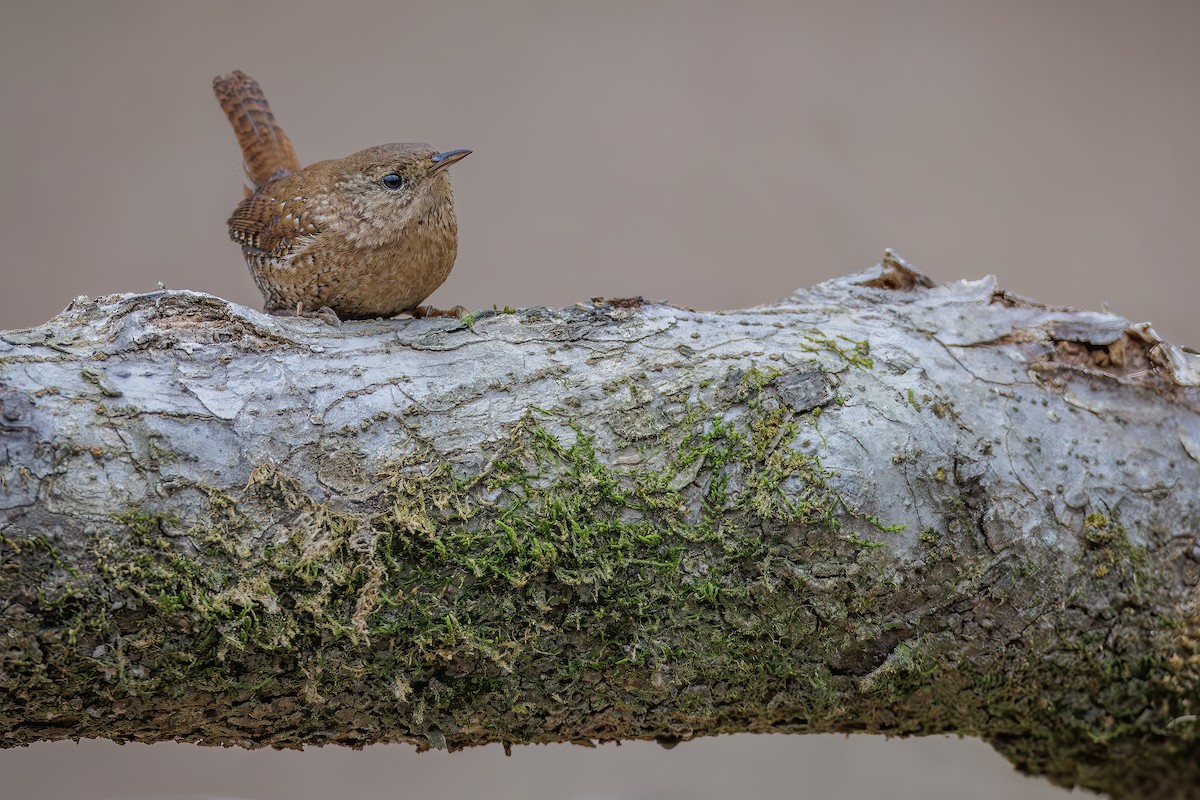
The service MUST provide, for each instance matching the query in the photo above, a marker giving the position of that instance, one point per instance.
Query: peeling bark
(875, 506)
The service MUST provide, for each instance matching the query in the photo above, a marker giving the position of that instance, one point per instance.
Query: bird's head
(387, 189)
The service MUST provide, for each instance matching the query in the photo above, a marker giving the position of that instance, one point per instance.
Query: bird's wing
(272, 224)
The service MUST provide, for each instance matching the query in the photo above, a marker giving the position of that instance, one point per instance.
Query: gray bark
(875, 506)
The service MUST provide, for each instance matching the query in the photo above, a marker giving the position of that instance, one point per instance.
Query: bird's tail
(266, 149)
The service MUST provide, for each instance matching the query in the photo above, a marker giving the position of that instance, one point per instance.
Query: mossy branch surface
(875, 506)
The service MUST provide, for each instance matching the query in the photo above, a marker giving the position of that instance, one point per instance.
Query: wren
(368, 235)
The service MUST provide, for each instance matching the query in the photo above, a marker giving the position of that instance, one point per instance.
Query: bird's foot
(324, 313)
(420, 312)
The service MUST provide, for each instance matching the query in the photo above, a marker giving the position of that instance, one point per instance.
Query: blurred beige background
(715, 154)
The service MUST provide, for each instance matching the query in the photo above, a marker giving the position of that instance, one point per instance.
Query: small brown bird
(368, 235)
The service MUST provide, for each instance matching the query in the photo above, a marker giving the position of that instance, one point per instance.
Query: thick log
(875, 506)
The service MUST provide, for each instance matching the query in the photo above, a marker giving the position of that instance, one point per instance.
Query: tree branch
(876, 506)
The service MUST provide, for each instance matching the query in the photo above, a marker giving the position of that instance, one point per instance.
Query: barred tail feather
(266, 149)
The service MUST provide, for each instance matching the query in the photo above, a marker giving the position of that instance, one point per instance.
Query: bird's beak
(443, 160)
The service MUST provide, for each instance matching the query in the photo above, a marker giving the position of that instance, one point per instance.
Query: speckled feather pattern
(331, 235)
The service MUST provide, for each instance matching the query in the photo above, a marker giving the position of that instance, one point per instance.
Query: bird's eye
(391, 181)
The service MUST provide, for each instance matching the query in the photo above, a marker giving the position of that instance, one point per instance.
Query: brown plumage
(369, 235)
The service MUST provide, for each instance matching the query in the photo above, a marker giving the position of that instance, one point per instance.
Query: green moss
(428, 602)
(1099, 529)
(1108, 550)
(854, 353)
